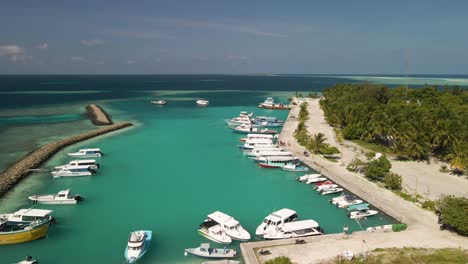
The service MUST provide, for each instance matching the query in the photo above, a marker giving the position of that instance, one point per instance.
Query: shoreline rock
(98, 116)
(20, 169)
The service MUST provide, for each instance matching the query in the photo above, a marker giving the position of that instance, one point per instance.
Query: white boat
(62, 197)
(275, 220)
(362, 212)
(347, 201)
(159, 102)
(87, 153)
(28, 260)
(214, 232)
(27, 216)
(73, 171)
(257, 149)
(258, 136)
(205, 251)
(138, 244)
(246, 129)
(202, 102)
(314, 180)
(294, 229)
(253, 143)
(332, 190)
(91, 163)
(325, 187)
(243, 118)
(304, 178)
(268, 103)
(263, 154)
(295, 167)
(231, 226)
(277, 162)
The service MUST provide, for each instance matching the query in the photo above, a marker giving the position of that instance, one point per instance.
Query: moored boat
(332, 190)
(295, 167)
(361, 211)
(137, 245)
(205, 251)
(13, 233)
(27, 216)
(257, 136)
(294, 229)
(277, 162)
(231, 226)
(62, 197)
(159, 102)
(223, 261)
(214, 232)
(255, 142)
(263, 154)
(91, 163)
(269, 103)
(275, 220)
(243, 118)
(87, 153)
(73, 171)
(347, 201)
(325, 186)
(304, 178)
(267, 121)
(315, 180)
(202, 102)
(246, 129)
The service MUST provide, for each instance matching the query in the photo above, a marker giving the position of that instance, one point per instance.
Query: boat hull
(39, 201)
(76, 155)
(22, 236)
(149, 235)
(205, 233)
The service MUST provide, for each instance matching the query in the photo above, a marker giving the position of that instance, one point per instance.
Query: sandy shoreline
(423, 230)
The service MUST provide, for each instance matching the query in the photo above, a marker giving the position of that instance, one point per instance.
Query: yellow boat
(18, 234)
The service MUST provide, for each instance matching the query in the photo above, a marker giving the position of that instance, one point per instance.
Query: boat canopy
(300, 225)
(281, 214)
(64, 192)
(33, 212)
(91, 149)
(223, 219)
(358, 207)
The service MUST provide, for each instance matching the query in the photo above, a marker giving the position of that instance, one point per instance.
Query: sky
(233, 37)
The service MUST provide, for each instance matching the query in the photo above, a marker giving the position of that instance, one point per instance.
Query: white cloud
(43, 46)
(13, 53)
(78, 59)
(91, 42)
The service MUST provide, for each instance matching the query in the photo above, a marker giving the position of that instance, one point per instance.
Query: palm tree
(317, 142)
(458, 158)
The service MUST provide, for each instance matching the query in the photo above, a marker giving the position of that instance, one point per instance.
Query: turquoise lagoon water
(166, 174)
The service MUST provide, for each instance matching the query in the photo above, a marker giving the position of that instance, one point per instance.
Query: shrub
(279, 260)
(399, 227)
(393, 181)
(378, 168)
(429, 205)
(453, 213)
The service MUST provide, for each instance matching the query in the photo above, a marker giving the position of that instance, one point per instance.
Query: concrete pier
(21, 169)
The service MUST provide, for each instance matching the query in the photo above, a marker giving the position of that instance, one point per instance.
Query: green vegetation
(316, 143)
(429, 205)
(399, 227)
(279, 260)
(409, 256)
(412, 123)
(377, 169)
(393, 181)
(453, 213)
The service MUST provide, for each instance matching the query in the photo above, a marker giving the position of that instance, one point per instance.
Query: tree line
(416, 123)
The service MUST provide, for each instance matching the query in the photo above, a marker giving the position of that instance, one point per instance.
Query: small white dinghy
(202, 102)
(331, 191)
(314, 180)
(306, 177)
(63, 197)
(28, 260)
(205, 251)
(324, 187)
(295, 167)
(159, 102)
(87, 153)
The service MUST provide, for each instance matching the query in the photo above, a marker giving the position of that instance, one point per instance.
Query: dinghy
(304, 178)
(205, 251)
(63, 197)
(295, 167)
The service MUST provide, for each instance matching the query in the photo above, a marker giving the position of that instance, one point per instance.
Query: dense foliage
(453, 213)
(377, 169)
(393, 181)
(316, 143)
(414, 123)
(279, 260)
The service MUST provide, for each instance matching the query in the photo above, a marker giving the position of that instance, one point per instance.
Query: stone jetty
(98, 116)
(15, 173)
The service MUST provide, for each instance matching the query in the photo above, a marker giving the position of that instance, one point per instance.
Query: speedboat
(205, 251)
(231, 226)
(332, 190)
(246, 129)
(73, 171)
(87, 153)
(304, 178)
(214, 232)
(28, 260)
(63, 197)
(317, 184)
(159, 102)
(294, 229)
(270, 104)
(243, 118)
(314, 180)
(27, 216)
(325, 186)
(91, 163)
(347, 201)
(275, 220)
(361, 211)
(294, 167)
(276, 162)
(267, 121)
(138, 244)
(202, 102)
